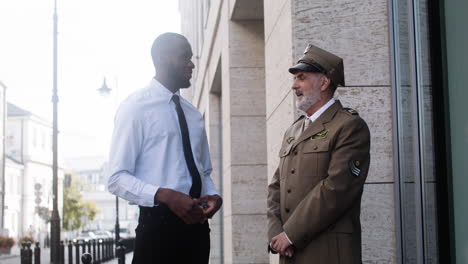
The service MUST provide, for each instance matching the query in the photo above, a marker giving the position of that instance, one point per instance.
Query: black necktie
(195, 190)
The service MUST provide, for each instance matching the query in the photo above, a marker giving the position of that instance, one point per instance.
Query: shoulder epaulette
(350, 111)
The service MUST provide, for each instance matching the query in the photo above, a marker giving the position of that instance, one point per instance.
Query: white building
(14, 171)
(91, 173)
(29, 173)
(3, 89)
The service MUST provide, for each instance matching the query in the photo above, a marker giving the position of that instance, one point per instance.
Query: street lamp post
(117, 226)
(55, 219)
(104, 91)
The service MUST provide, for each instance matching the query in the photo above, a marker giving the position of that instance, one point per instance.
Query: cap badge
(309, 46)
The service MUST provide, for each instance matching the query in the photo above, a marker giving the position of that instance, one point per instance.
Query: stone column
(215, 140)
(244, 138)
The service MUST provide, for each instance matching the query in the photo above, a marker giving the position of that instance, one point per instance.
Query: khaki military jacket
(315, 194)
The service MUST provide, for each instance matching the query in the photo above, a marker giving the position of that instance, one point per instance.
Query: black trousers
(163, 237)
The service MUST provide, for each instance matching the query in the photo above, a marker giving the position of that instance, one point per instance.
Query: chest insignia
(320, 135)
(290, 139)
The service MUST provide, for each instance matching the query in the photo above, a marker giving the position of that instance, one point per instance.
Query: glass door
(413, 122)
(456, 70)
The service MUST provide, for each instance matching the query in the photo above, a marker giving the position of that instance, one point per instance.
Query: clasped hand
(188, 209)
(280, 244)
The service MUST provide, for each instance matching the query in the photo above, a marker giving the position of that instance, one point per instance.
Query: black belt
(163, 214)
(156, 211)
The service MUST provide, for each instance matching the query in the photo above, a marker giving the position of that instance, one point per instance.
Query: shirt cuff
(208, 187)
(148, 193)
(270, 249)
(289, 240)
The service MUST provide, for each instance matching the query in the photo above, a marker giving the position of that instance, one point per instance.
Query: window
(10, 139)
(43, 140)
(20, 184)
(415, 166)
(34, 141)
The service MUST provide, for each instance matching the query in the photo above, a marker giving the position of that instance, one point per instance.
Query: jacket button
(289, 190)
(292, 171)
(295, 152)
(315, 147)
(287, 210)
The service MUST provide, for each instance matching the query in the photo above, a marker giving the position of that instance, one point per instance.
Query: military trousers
(163, 237)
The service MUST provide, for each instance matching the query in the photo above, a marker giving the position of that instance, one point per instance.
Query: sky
(97, 39)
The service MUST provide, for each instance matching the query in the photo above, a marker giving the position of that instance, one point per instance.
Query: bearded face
(307, 89)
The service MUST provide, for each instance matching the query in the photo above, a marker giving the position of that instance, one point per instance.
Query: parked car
(103, 234)
(123, 233)
(85, 236)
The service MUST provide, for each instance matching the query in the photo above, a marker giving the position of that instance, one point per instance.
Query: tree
(75, 209)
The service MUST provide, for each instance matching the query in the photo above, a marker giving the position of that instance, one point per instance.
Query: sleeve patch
(354, 167)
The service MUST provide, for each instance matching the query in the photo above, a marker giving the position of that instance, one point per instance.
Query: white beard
(308, 100)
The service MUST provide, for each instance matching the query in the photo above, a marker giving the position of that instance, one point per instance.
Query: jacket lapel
(318, 125)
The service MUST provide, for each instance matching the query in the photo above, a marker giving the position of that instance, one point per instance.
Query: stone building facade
(242, 50)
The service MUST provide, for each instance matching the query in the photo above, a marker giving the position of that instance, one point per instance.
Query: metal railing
(93, 251)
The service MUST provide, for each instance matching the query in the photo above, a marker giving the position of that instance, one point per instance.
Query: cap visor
(303, 67)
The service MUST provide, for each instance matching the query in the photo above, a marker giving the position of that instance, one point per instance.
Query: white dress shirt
(322, 109)
(147, 153)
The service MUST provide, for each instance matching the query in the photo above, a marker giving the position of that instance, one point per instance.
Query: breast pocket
(161, 135)
(284, 154)
(285, 150)
(315, 158)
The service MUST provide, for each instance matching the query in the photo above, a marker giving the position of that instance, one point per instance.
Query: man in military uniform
(314, 199)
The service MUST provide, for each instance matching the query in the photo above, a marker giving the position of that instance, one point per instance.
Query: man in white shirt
(160, 160)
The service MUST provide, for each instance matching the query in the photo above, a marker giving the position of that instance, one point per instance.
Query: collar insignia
(351, 111)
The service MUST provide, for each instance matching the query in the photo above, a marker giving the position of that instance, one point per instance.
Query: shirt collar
(321, 110)
(162, 91)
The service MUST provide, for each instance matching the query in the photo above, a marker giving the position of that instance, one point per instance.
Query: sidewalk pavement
(128, 259)
(14, 257)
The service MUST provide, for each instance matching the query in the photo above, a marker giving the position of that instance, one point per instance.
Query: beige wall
(243, 59)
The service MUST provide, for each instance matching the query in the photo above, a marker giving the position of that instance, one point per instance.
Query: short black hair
(163, 45)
